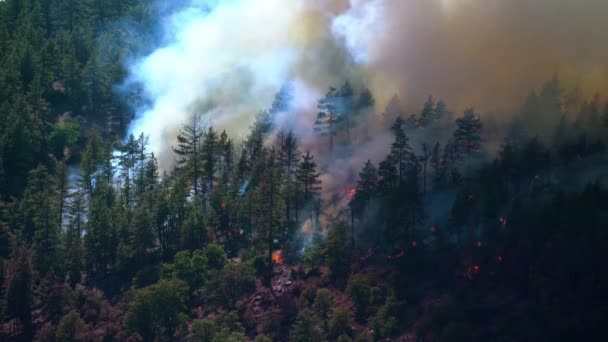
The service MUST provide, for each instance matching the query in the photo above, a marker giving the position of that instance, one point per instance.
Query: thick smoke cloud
(490, 53)
(226, 59)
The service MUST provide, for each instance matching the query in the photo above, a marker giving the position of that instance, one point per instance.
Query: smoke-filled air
(303, 170)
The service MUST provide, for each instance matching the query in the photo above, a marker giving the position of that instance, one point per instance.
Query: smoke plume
(227, 59)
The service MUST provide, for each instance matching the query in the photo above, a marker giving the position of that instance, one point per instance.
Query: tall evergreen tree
(188, 150)
(467, 136)
(308, 177)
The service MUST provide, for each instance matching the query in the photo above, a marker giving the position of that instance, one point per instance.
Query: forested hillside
(457, 228)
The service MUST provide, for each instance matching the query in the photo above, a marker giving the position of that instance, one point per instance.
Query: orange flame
(351, 192)
(276, 257)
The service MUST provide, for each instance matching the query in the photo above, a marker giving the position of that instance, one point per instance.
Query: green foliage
(158, 310)
(191, 268)
(63, 136)
(385, 321)
(227, 285)
(202, 330)
(262, 338)
(340, 323)
(216, 257)
(70, 327)
(336, 251)
(324, 301)
(359, 291)
(305, 328)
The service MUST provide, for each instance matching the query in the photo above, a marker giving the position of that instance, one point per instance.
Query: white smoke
(226, 59)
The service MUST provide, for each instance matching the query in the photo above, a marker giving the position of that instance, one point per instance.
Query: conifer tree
(188, 151)
(467, 136)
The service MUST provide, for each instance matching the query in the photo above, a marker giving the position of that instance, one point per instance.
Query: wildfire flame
(503, 222)
(351, 192)
(276, 257)
(367, 254)
(472, 271)
(397, 255)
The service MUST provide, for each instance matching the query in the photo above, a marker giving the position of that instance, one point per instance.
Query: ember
(500, 259)
(397, 256)
(367, 254)
(433, 229)
(223, 205)
(414, 243)
(503, 222)
(472, 271)
(276, 257)
(351, 192)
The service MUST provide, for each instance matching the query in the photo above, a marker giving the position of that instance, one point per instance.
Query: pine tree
(188, 151)
(427, 115)
(308, 177)
(269, 207)
(467, 136)
(364, 108)
(289, 157)
(328, 116)
(209, 151)
(19, 290)
(40, 219)
(401, 150)
(368, 182)
(388, 175)
(424, 159)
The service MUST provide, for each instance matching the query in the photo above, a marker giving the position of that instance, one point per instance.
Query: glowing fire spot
(414, 243)
(351, 192)
(472, 271)
(397, 256)
(276, 257)
(433, 229)
(503, 222)
(500, 259)
(367, 254)
(223, 205)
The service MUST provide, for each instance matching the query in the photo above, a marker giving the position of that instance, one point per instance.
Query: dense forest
(462, 230)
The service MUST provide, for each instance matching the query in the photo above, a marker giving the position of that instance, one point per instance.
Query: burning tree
(269, 206)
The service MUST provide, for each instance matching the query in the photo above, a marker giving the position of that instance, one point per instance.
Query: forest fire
(367, 254)
(276, 257)
(472, 271)
(351, 192)
(397, 255)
